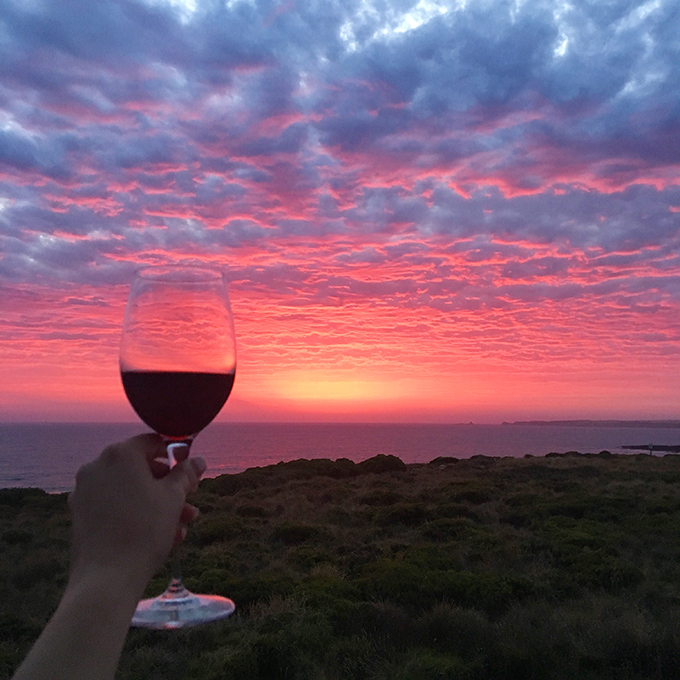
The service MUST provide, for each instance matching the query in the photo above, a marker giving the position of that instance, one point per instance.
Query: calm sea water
(48, 455)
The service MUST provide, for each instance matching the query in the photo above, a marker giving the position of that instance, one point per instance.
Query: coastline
(48, 455)
(458, 568)
(669, 424)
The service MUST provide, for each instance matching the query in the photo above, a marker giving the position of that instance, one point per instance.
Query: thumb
(186, 474)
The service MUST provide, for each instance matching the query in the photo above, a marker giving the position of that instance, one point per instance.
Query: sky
(427, 211)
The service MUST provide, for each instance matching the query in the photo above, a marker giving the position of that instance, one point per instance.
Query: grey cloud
(381, 208)
(289, 141)
(367, 255)
(214, 188)
(90, 30)
(629, 219)
(22, 153)
(262, 118)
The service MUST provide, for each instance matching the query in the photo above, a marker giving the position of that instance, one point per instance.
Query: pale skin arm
(127, 513)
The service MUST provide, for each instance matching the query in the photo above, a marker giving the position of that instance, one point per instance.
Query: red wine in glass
(177, 404)
(177, 364)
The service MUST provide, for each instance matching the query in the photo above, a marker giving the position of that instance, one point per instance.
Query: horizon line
(669, 422)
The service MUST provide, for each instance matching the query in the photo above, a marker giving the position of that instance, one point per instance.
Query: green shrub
(454, 510)
(39, 567)
(443, 460)
(15, 498)
(447, 529)
(325, 589)
(488, 592)
(214, 581)
(424, 664)
(353, 658)
(15, 627)
(380, 498)
(214, 528)
(373, 577)
(382, 463)
(14, 536)
(516, 519)
(253, 511)
(226, 662)
(476, 496)
(291, 533)
(407, 514)
(396, 580)
(260, 587)
(464, 632)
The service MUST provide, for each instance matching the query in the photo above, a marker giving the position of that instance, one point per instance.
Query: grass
(559, 567)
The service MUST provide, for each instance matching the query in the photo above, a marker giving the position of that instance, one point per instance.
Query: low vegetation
(560, 567)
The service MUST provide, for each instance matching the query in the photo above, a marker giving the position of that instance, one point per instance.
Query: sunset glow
(427, 211)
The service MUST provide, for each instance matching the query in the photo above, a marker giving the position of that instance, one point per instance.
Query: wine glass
(177, 363)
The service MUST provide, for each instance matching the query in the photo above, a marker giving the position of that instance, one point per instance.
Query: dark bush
(424, 664)
(516, 520)
(253, 511)
(447, 628)
(213, 529)
(382, 463)
(396, 580)
(16, 497)
(523, 500)
(215, 581)
(303, 468)
(587, 471)
(615, 576)
(488, 592)
(227, 485)
(407, 514)
(290, 533)
(446, 529)
(15, 628)
(476, 496)
(575, 510)
(453, 510)
(380, 498)
(383, 621)
(14, 536)
(482, 460)
(37, 568)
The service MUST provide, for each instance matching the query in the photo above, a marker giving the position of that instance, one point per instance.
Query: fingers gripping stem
(177, 451)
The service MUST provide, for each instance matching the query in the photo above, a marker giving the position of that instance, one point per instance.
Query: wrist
(115, 586)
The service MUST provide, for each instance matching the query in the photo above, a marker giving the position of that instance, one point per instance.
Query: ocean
(48, 455)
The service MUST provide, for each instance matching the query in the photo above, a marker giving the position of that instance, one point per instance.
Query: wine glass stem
(176, 564)
(171, 447)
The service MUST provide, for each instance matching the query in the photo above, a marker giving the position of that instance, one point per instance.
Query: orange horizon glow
(400, 368)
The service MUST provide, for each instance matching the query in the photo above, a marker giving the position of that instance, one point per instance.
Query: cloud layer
(488, 190)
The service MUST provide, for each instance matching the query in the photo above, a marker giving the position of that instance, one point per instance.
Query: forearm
(84, 638)
(125, 520)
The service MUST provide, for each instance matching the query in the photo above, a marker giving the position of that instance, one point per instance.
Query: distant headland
(600, 423)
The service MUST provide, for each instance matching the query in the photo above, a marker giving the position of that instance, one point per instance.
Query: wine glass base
(178, 608)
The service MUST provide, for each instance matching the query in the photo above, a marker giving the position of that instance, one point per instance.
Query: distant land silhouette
(653, 447)
(600, 423)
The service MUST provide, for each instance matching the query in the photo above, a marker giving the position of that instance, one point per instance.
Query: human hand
(128, 510)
